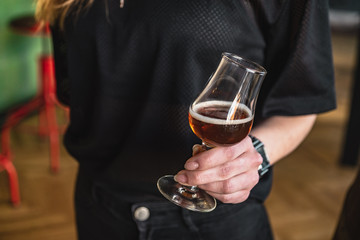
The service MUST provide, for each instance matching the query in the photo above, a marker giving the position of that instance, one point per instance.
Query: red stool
(45, 102)
(5, 157)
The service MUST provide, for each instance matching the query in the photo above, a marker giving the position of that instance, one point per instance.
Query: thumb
(197, 148)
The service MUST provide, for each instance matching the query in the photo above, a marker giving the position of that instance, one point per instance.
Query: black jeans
(105, 215)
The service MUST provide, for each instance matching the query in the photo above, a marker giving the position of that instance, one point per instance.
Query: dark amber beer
(220, 122)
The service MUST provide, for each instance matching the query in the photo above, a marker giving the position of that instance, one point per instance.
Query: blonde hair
(49, 11)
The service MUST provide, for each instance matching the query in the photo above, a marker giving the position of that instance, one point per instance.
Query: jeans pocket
(165, 221)
(247, 220)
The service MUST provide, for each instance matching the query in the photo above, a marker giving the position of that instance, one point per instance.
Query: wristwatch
(259, 147)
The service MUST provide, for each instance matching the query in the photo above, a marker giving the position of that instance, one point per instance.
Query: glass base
(189, 197)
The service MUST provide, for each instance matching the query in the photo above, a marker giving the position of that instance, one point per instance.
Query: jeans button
(142, 214)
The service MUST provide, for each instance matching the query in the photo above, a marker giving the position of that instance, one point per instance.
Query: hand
(226, 173)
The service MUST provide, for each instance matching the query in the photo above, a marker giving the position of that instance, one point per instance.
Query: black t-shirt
(129, 75)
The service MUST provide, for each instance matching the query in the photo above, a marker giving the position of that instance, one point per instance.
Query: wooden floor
(308, 190)
(309, 185)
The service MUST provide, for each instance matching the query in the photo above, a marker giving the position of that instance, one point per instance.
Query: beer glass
(221, 115)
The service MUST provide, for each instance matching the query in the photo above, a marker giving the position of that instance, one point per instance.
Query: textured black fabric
(132, 72)
(103, 213)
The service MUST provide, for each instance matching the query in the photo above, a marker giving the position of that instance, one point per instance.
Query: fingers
(218, 155)
(197, 148)
(218, 173)
(240, 165)
(234, 198)
(226, 173)
(232, 190)
(234, 184)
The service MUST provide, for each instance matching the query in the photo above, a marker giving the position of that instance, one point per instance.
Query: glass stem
(189, 191)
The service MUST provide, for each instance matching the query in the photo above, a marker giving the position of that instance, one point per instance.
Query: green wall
(18, 56)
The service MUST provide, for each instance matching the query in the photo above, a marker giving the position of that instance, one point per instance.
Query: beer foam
(194, 114)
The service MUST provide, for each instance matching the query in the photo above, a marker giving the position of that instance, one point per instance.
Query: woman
(129, 70)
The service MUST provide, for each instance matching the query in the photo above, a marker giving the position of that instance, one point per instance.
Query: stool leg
(7, 165)
(42, 129)
(49, 94)
(13, 182)
(5, 142)
(53, 136)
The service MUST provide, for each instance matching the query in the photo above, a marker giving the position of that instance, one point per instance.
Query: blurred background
(309, 185)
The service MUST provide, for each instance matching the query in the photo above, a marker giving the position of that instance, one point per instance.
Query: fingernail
(181, 178)
(191, 165)
(195, 147)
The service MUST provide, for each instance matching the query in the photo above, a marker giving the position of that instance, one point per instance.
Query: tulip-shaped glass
(221, 115)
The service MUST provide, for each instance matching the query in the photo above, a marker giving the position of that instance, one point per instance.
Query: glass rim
(236, 59)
